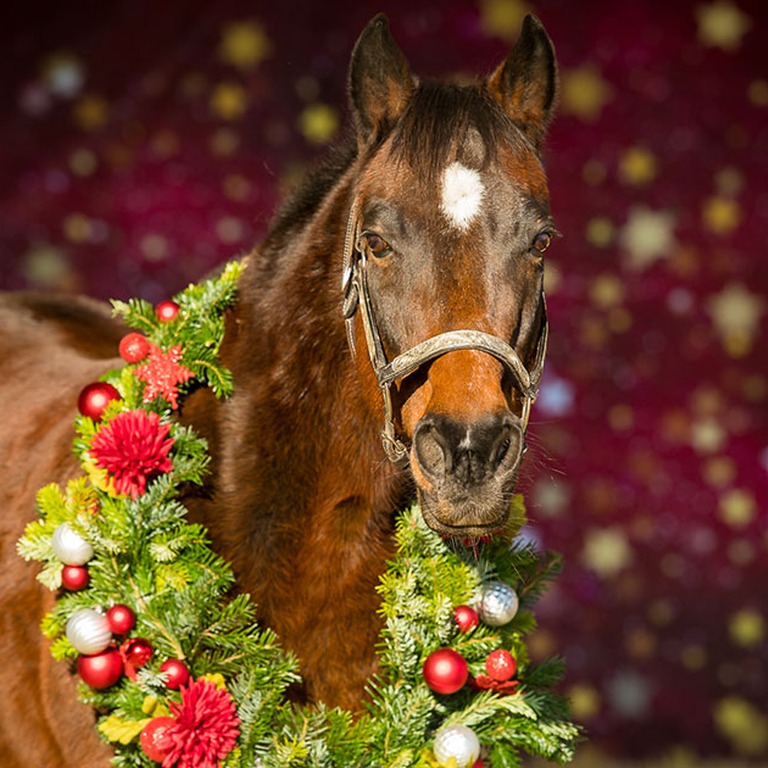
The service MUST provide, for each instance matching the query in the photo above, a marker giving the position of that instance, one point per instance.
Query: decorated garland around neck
(181, 674)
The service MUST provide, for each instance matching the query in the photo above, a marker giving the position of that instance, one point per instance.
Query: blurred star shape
(722, 25)
(503, 18)
(736, 314)
(637, 166)
(747, 628)
(229, 100)
(737, 508)
(584, 93)
(606, 551)
(63, 74)
(647, 236)
(745, 726)
(721, 215)
(244, 44)
(629, 694)
(319, 123)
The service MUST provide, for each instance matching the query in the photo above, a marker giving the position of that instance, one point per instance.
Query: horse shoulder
(50, 348)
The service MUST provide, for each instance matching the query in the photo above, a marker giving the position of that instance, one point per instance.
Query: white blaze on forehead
(462, 194)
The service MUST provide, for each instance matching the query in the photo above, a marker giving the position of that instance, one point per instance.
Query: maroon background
(650, 468)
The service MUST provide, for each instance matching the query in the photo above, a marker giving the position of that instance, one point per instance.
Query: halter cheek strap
(357, 296)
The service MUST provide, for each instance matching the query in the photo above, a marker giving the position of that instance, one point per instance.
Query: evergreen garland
(148, 557)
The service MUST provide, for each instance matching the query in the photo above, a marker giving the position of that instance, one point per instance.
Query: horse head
(443, 268)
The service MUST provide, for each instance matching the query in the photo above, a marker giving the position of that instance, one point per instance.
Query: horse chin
(467, 517)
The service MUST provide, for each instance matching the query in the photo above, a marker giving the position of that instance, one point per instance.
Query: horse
(386, 345)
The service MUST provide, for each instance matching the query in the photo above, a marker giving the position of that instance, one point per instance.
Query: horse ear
(525, 84)
(380, 81)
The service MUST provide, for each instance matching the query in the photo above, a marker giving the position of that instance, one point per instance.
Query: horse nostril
(501, 452)
(430, 450)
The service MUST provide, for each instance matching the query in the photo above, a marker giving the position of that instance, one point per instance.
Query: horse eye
(542, 241)
(376, 244)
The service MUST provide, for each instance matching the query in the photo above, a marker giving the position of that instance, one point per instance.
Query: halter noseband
(357, 294)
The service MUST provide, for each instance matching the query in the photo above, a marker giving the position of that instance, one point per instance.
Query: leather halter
(356, 293)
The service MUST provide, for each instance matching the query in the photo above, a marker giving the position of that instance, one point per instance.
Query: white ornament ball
(88, 631)
(497, 604)
(458, 742)
(70, 547)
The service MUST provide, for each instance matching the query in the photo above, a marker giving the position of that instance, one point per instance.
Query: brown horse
(419, 246)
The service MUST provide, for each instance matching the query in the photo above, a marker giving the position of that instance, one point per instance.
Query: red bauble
(133, 347)
(135, 652)
(167, 311)
(121, 619)
(153, 739)
(74, 577)
(175, 672)
(466, 618)
(500, 665)
(101, 670)
(445, 670)
(95, 398)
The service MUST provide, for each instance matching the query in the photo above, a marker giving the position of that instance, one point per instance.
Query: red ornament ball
(121, 619)
(133, 347)
(95, 398)
(154, 739)
(135, 652)
(466, 618)
(75, 577)
(445, 670)
(167, 311)
(500, 665)
(175, 672)
(101, 670)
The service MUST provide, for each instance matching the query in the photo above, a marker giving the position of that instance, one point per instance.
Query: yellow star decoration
(747, 628)
(584, 93)
(606, 551)
(737, 508)
(244, 44)
(647, 236)
(722, 25)
(736, 314)
(742, 724)
(637, 166)
(319, 123)
(503, 18)
(229, 100)
(721, 215)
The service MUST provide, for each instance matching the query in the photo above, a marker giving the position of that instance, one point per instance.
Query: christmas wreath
(181, 673)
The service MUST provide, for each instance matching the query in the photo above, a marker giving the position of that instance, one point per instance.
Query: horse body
(439, 204)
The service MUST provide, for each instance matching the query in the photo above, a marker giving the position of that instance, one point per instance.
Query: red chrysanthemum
(162, 374)
(133, 448)
(206, 727)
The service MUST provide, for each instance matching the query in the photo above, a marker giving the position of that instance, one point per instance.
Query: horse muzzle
(466, 473)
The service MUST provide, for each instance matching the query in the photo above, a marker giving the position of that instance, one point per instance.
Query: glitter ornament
(500, 665)
(75, 577)
(445, 670)
(121, 619)
(466, 618)
(175, 673)
(70, 547)
(497, 603)
(88, 631)
(167, 311)
(154, 739)
(94, 398)
(101, 670)
(133, 347)
(458, 742)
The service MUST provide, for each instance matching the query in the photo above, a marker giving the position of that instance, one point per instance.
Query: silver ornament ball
(458, 742)
(88, 631)
(70, 547)
(497, 604)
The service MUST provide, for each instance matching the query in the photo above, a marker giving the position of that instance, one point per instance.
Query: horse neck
(305, 411)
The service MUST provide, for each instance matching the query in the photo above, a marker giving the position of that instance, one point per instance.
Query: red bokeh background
(141, 144)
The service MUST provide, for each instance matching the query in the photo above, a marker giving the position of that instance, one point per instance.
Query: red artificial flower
(162, 373)
(133, 448)
(485, 683)
(206, 727)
